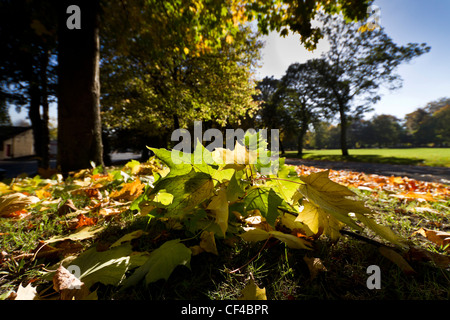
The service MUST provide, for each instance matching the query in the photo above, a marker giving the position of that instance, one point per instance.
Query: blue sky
(425, 78)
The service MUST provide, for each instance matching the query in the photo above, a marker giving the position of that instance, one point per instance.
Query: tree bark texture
(79, 124)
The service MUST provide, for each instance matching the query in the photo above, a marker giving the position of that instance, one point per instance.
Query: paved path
(423, 173)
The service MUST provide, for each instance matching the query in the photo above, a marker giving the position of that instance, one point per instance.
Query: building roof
(7, 132)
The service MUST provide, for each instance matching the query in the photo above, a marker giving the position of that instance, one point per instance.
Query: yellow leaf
(291, 240)
(129, 192)
(397, 259)
(186, 50)
(208, 243)
(219, 207)
(42, 194)
(254, 235)
(253, 292)
(331, 197)
(13, 202)
(318, 221)
(381, 230)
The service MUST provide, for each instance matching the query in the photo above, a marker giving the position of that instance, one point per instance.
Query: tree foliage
(358, 64)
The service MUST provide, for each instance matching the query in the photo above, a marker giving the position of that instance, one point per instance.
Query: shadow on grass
(367, 158)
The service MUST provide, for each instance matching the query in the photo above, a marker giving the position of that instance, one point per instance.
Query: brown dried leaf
(69, 286)
(315, 265)
(66, 208)
(440, 238)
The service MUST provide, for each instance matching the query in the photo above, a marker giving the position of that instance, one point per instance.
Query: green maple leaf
(188, 191)
(265, 200)
(161, 263)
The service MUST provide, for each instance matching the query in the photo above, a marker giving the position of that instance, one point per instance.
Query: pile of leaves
(195, 207)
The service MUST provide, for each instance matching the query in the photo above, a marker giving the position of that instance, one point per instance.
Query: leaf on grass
(253, 292)
(82, 234)
(255, 235)
(381, 230)
(128, 237)
(13, 202)
(42, 194)
(67, 284)
(208, 242)
(85, 221)
(219, 207)
(129, 192)
(419, 254)
(331, 197)
(26, 293)
(397, 259)
(161, 263)
(108, 267)
(265, 200)
(315, 266)
(440, 238)
(423, 196)
(188, 191)
(66, 207)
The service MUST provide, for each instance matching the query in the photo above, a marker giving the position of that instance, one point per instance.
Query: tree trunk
(79, 124)
(35, 117)
(45, 133)
(301, 135)
(344, 124)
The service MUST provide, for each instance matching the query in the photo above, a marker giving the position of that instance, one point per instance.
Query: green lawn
(415, 156)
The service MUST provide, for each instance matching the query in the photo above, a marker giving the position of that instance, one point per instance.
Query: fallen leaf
(397, 259)
(440, 238)
(128, 237)
(26, 293)
(69, 286)
(66, 208)
(208, 242)
(42, 194)
(82, 234)
(419, 254)
(85, 221)
(315, 266)
(219, 207)
(253, 292)
(13, 202)
(129, 192)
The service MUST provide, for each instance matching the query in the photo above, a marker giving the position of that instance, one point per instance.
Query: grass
(436, 157)
(283, 272)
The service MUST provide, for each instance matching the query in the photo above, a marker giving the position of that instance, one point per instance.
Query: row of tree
(160, 64)
(344, 83)
(425, 127)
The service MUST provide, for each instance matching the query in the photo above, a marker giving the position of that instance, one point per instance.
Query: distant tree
(429, 125)
(359, 64)
(387, 130)
(28, 42)
(302, 97)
